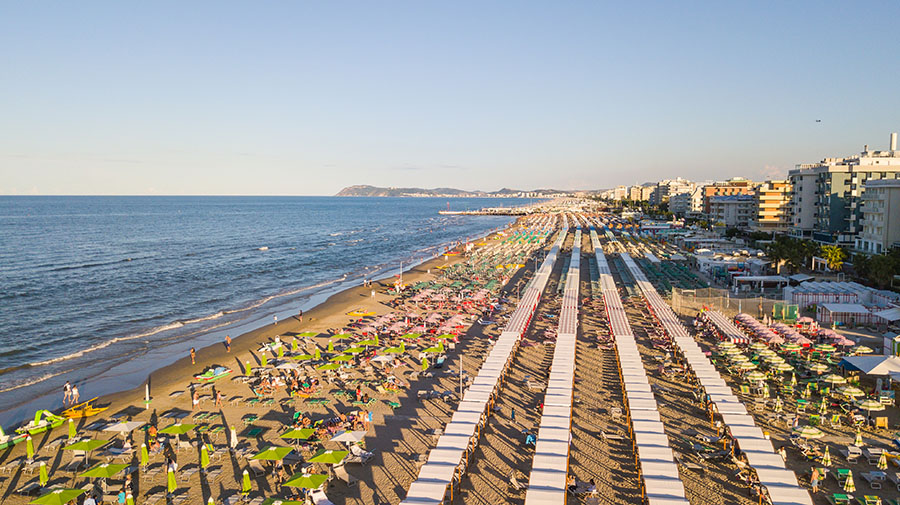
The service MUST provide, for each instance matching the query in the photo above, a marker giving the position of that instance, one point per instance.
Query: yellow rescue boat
(84, 409)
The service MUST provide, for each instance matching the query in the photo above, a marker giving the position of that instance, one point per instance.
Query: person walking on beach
(274, 320)
(300, 316)
(193, 356)
(218, 398)
(227, 343)
(67, 393)
(75, 395)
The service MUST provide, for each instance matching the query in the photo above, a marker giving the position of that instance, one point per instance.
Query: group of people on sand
(70, 394)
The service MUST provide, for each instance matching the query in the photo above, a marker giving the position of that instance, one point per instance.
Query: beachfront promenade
(447, 461)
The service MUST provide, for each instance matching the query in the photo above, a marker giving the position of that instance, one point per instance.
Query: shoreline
(325, 305)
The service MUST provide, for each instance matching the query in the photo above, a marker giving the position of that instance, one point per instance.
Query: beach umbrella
(280, 351)
(232, 438)
(178, 429)
(272, 453)
(171, 484)
(394, 350)
(288, 366)
(794, 379)
(103, 470)
(317, 354)
(58, 497)
(204, 456)
(381, 358)
(294, 345)
(354, 350)
(308, 334)
(769, 353)
(858, 441)
(263, 359)
(29, 448)
(42, 474)
(755, 376)
(738, 358)
(369, 341)
(303, 357)
(806, 391)
(745, 366)
(870, 405)
(329, 366)
(342, 357)
(791, 347)
(435, 348)
(862, 349)
(851, 391)
(245, 483)
(726, 345)
(445, 336)
(330, 346)
(145, 457)
(826, 458)
(781, 367)
(248, 369)
(124, 426)
(808, 432)
(349, 437)
(306, 480)
(410, 336)
(72, 432)
(424, 364)
(819, 368)
(825, 348)
(758, 346)
(834, 379)
(882, 461)
(279, 501)
(779, 405)
(299, 434)
(823, 406)
(328, 456)
(732, 351)
(849, 485)
(86, 445)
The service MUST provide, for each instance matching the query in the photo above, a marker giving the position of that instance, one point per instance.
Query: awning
(892, 314)
(872, 365)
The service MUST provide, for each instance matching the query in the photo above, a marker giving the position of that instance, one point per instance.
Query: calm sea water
(91, 284)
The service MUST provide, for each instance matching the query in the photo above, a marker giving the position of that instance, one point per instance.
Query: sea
(101, 291)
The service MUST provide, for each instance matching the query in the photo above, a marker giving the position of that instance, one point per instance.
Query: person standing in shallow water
(67, 393)
(274, 320)
(227, 343)
(193, 356)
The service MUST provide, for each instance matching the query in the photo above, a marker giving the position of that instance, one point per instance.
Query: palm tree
(834, 255)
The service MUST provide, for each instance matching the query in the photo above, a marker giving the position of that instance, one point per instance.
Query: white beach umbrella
(288, 365)
(124, 426)
(349, 437)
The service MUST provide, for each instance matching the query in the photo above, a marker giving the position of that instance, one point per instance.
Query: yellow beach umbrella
(424, 364)
(171, 484)
(145, 457)
(204, 456)
(245, 483)
(29, 448)
(42, 475)
(263, 359)
(72, 432)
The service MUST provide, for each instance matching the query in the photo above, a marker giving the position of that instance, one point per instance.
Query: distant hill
(364, 190)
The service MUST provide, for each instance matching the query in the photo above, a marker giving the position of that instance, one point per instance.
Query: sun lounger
(873, 454)
(851, 453)
(319, 497)
(681, 460)
(32, 488)
(839, 499)
(340, 471)
(875, 479)
(611, 436)
(358, 455)
(514, 483)
(256, 468)
(895, 478)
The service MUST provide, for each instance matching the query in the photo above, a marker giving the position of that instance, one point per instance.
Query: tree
(881, 270)
(834, 255)
(777, 252)
(861, 265)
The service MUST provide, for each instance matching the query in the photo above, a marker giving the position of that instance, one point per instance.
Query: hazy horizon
(230, 98)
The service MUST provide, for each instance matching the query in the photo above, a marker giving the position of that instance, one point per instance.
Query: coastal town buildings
(881, 216)
(826, 199)
(734, 211)
(733, 186)
(667, 188)
(771, 201)
(641, 193)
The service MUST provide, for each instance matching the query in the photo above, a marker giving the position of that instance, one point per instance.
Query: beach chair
(895, 478)
(610, 436)
(868, 500)
(79, 461)
(340, 471)
(881, 423)
(358, 455)
(256, 468)
(873, 454)
(514, 483)
(851, 453)
(840, 475)
(839, 499)
(875, 479)
(319, 497)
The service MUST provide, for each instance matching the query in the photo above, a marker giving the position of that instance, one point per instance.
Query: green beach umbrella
(204, 456)
(825, 348)
(145, 457)
(834, 379)
(755, 376)
(394, 350)
(424, 364)
(279, 501)
(245, 483)
(435, 348)
(808, 432)
(103, 470)
(794, 379)
(178, 429)
(303, 357)
(306, 480)
(370, 341)
(819, 368)
(29, 447)
(826, 458)
(342, 357)
(758, 346)
(329, 366)
(86, 445)
(354, 350)
(263, 359)
(851, 391)
(726, 345)
(746, 366)
(791, 347)
(779, 405)
(298, 434)
(410, 336)
(870, 405)
(42, 474)
(328, 456)
(858, 441)
(58, 497)
(330, 346)
(247, 368)
(72, 432)
(445, 336)
(317, 354)
(308, 334)
(862, 349)
(849, 485)
(171, 484)
(294, 345)
(882, 461)
(272, 453)
(281, 351)
(342, 336)
(823, 406)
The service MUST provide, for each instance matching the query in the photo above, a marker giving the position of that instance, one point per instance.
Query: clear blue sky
(309, 97)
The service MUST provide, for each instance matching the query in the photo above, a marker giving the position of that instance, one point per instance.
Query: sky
(305, 98)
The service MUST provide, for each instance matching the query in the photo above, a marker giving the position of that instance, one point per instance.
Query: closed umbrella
(294, 345)
(232, 438)
(171, 485)
(42, 474)
(826, 458)
(330, 346)
(424, 364)
(849, 485)
(263, 359)
(72, 432)
(280, 351)
(29, 448)
(858, 441)
(245, 483)
(145, 457)
(823, 406)
(204, 456)
(58, 497)
(882, 461)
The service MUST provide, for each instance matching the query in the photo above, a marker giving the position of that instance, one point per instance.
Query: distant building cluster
(852, 201)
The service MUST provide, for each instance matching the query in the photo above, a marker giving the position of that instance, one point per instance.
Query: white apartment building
(734, 211)
(881, 217)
